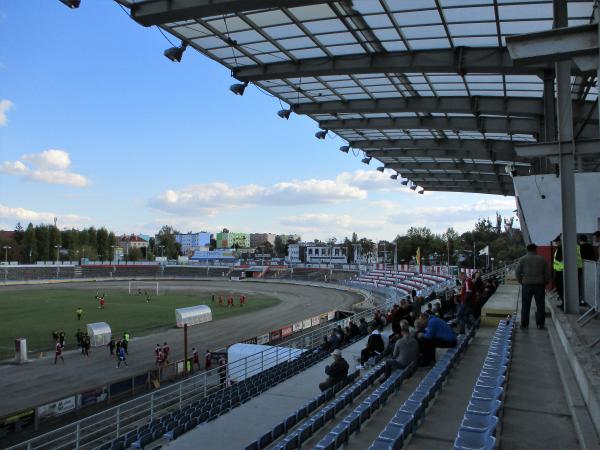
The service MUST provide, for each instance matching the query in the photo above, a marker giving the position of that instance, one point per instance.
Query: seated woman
(375, 345)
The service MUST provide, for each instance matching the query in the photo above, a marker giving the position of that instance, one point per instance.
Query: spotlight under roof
(381, 169)
(284, 113)
(73, 4)
(321, 134)
(345, 148)
(366, 160)
(175, 53)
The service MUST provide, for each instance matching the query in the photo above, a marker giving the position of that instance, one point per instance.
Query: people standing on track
(222, 372)
(79, 337)
(122, 357)
(220, 300)
(58, 352)
(212, 300)
(111, 347)
(166, 350)
(207, 360)
(55, 335)
(230, 301)
(195, 358)
(102, 303)
(125, 342)
(157, 355)
(61, 338)
(79, 313)
(86, 344)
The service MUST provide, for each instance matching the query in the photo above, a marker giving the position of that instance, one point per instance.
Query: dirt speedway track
(40, 381)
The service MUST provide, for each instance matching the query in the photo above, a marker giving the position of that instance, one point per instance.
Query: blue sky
(98, 128)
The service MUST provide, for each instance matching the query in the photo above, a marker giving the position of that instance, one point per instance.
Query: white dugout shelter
(192, 315)
(99, 333)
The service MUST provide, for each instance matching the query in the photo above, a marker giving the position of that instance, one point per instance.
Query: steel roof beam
(494, 145)
(471, 189)
(476, 105)
(482, 124)
(461, 60)
(481, 154)
(479, 168)
(486, 178)
(157, 12)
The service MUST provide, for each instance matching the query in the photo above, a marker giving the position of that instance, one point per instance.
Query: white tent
(100, 333)
(192, 315)
(246, 360)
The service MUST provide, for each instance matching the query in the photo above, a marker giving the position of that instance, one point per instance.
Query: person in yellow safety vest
(558, 266)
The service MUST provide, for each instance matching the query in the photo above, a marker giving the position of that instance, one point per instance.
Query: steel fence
(99, 428)
(591, 291)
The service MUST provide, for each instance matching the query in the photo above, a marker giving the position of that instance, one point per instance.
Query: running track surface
(41, 381)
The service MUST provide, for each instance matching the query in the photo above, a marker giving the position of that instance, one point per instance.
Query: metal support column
(567, 170)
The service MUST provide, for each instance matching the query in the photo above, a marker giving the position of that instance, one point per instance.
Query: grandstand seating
(480, 421)
(410, 414)
(40, 272)
(126, 271)
(402, 281)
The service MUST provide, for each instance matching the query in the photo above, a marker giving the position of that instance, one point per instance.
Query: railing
(501, 273)
(94, 430)
(591, 293)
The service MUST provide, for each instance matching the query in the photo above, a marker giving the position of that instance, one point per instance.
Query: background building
(227, 239)
(316, 254)
(127, 242)
(191, 242)
(258, 239)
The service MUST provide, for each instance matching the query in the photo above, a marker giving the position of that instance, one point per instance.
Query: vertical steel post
(185, 349)
(118, 412)
(77, 430)
(567, 170)
(152, 407)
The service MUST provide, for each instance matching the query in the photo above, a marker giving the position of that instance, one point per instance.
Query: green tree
(30, 244)
(102, 245)
(166, 238)
(134, 254)
(43, 244)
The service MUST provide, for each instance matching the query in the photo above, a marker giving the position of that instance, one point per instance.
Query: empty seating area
(479, 424)
(39, 272)
(172, 425)
(125, 271)
(402, 281)
(305, 413)
(408, 417)
(195, 271)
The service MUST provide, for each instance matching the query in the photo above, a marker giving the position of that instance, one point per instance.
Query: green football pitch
(34, 313)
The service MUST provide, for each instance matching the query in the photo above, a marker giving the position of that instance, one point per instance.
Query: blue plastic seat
(394, 434)
(327, 443)
(488, 393)
(474, 441)
(484, 407)
(479, 423)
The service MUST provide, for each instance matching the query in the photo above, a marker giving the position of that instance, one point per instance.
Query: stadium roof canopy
(426, 87)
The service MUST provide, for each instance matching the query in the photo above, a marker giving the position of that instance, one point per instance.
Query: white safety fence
(591, 291)
(95, 430)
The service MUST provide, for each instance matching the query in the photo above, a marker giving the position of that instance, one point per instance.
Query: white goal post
(144, 286)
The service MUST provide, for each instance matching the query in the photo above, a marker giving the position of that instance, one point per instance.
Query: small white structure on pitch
(192, 315)
(100, 333)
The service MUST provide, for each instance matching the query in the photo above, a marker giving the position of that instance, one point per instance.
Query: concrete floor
(46, 382)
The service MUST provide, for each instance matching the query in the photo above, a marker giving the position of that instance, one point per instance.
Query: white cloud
(10, 215)
(372, 180)
(212, 197)
(50, 166)
(325, 225)
(5, 106)
(49, 159)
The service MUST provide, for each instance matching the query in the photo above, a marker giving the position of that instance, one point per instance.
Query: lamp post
(492, 261)
(6, 247)
(114, 253)
(57, 247)
(162, 250)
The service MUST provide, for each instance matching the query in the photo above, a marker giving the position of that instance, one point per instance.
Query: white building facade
(192, 242)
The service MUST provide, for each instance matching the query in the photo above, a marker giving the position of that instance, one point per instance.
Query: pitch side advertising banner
(315, 321)
(297, 327)
(263, 339)
(306, 323)
(57, 408)
(286, 331)
(275, 335)
(331, 315)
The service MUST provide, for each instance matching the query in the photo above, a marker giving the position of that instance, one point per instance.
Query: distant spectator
(111, 347)
(587, 250)
(195, 358)
(429, 309)
(464, 314)
(207, 360)
(354, 330)
(434, 333)
(222, 372)
(375, 345)
(533, 274)
(79, 313)
(325, 346)
(363, 326)
(413, 294)
(157, 355)
(405, 351)
(166, 350)
(336, 372)
(379, 319)
(341, 334)
(58, 352)
(334, 340)
(122, 356)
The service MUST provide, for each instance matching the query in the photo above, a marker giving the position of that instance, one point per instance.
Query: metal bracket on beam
(547, 149)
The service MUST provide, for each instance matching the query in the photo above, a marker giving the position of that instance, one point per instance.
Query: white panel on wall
(542, 215)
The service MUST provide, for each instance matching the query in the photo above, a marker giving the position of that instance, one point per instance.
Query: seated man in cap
(336, 372)
(433, 333)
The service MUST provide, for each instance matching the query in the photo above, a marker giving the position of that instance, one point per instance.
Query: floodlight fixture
(345, 148)
(366, 160)
(394, 177)
(404, 182)
(176, 53)
(321, 134)
(73, 4)
(238, 88)
(284, 113)
(413, 187)
(381, 169)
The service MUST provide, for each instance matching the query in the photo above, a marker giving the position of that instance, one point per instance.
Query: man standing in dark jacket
(336, 372)
(533, 273)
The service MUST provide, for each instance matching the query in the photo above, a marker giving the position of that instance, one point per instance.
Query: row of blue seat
(208, 408)
(408, 417)
(302, 413)
(478, 427)
(312, 424)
